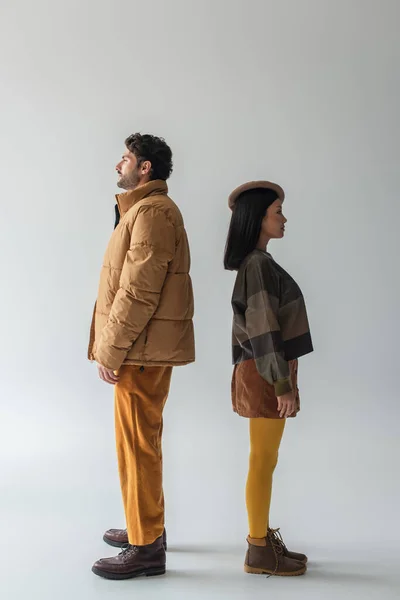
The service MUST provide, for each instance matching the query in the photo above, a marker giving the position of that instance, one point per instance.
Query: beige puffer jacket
(144, 309)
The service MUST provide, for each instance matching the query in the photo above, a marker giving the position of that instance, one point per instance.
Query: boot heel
(155, 571)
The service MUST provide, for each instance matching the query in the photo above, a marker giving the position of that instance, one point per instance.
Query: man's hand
(107, 375)
(286, 405)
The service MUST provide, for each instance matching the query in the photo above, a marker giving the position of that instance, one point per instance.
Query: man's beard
(129, 182)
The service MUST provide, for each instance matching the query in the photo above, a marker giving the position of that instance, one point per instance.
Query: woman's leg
(265, 439)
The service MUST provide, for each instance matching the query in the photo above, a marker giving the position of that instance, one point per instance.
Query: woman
(270, 332)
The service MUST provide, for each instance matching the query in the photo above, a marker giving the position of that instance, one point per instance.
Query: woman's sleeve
(262, 290)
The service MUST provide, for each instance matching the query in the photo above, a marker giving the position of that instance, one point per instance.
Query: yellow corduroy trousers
(265, 439)
(140, 397)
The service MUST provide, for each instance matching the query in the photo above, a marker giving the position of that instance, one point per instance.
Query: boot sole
(254, 571)
(153, 572)
(121, 544)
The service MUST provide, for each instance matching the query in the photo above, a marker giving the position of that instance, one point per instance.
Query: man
(142, 327)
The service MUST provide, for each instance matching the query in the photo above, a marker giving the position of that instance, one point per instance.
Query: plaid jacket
(270, 323)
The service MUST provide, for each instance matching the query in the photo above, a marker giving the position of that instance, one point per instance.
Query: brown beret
(251, 185)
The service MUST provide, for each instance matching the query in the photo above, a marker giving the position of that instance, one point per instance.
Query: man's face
(130, 174)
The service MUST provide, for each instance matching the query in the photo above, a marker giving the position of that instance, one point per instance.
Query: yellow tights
(265, 439)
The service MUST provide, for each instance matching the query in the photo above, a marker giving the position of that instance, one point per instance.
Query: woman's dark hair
(153, 149)
(245, 228)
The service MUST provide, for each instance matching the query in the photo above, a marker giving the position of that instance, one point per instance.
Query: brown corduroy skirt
(254, 397)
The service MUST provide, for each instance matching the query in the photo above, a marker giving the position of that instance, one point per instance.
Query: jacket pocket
(145, 341)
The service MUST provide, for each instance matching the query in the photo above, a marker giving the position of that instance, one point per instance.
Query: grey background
(305, 93)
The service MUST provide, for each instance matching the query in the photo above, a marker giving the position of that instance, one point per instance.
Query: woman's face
(273, 225)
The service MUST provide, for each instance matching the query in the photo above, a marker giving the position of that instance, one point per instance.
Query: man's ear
(145, 167)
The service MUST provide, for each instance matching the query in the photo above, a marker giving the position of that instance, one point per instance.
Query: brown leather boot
(133, 561)
(119, 538)
(276, 534)
(265, 556)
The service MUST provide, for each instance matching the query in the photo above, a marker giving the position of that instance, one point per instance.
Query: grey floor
(50, 562)
(55, 506)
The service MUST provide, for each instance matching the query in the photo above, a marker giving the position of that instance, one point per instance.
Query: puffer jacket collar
(128, 199)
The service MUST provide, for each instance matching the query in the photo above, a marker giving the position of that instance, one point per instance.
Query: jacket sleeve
(263, 329)
(152, 248)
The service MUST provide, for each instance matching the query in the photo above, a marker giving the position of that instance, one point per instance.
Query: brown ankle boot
(119, 538)
(133, 561)
(264, 556)
(276, 534)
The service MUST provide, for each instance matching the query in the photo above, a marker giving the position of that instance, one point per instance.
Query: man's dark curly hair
(154, 149)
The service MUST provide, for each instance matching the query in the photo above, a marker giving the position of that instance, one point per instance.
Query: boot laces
(278, 546)
(128, 551)
(276, 534)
